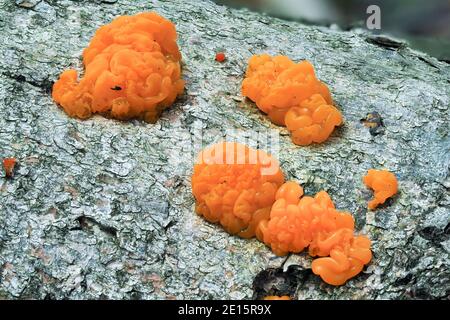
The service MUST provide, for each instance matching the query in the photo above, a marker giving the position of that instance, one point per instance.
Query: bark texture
(103, 209)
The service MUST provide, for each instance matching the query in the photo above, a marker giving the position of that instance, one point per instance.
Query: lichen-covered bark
(102, 208)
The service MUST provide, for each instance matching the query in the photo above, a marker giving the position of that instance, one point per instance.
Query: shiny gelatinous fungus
(277, 282)
(242, 189)
(346, 260)
(384, 185)
(235, 186)
(132, 70)
(220, 57)
(291, 95)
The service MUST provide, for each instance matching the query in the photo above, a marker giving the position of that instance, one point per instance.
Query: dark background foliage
(425, 24)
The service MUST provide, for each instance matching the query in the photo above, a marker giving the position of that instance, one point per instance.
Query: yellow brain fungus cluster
(231, 188)
(384, 185)
(291, 95)
(277, 298)
(132, 70)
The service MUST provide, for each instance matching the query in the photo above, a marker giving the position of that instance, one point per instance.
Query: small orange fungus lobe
(384, 185)
(8, 166)
(346, 260)
(235, 186)
(220, 56)
(297, 222)
(277, 298)
(132, 70)
(291, 95)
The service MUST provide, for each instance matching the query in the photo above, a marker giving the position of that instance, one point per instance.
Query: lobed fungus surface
(297, 222)
(291, 95)
(384, 185)
(132, 70)
(235, 186)
(231, 187)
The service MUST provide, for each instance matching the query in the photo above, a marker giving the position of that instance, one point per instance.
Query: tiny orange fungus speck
(8, 165)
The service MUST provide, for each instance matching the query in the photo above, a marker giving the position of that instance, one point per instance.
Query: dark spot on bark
(116, 88)
(374, 122)
(19, 78)
(389, 202)
(170, 224)
(45, 84)
(435, 235)
(360, 218)
(83, 284)
(385, 42)
(276, 282)
(49, 296)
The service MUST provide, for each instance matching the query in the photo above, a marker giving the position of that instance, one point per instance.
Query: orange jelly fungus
(132, 70)
(235, 186)
(220, 57)
(277, 298)
(291, 95)
(297, 222)
(8, 165)
(384, 185)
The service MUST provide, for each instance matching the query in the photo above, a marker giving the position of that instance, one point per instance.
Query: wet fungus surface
(231, 187)
(132, 70)
(297, 222)
(384, 185)
(276, 282)
(374, 122)
(9, 165)
(292, 96)
(277, 298)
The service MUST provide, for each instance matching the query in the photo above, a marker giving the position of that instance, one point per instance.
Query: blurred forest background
(425, 24)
